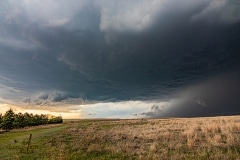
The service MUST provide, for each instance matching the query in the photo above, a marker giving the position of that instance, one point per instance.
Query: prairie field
(212, 138)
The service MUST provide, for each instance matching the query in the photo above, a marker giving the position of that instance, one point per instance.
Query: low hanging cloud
(200, 102)
(155, 112)
(53, 99)
(217, 96)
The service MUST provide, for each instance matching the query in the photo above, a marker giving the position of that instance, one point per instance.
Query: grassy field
(191, 138)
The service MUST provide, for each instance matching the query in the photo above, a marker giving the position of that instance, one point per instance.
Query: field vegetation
(210, 138)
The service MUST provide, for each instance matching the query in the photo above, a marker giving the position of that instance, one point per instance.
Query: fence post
(30, 137)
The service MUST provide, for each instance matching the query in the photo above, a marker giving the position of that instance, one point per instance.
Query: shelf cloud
(63, 53)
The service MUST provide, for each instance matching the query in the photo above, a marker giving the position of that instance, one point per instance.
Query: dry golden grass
(186, 138)
(176, 138)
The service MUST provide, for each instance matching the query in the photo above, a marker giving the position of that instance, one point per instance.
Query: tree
(55, 120)
(7, 120)
(11, 120)
(18, 120)
(27, 119)
(44, 119)
(1, 118)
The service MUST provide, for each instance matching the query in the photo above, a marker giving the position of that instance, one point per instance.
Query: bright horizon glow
(17, 109)
(123, 110)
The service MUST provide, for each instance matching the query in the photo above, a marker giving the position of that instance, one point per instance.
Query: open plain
(210, 138)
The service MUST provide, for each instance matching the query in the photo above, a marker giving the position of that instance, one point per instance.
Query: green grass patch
(14, 144)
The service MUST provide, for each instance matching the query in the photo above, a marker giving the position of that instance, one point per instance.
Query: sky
(120, 59)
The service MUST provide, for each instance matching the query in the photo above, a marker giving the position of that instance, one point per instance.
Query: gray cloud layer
(114, 51)
(218, 95)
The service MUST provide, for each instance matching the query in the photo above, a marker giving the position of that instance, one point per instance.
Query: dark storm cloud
(216, 96)
(174, 48)
(54, 52)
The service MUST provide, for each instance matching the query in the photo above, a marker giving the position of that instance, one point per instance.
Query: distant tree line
(11, 120)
